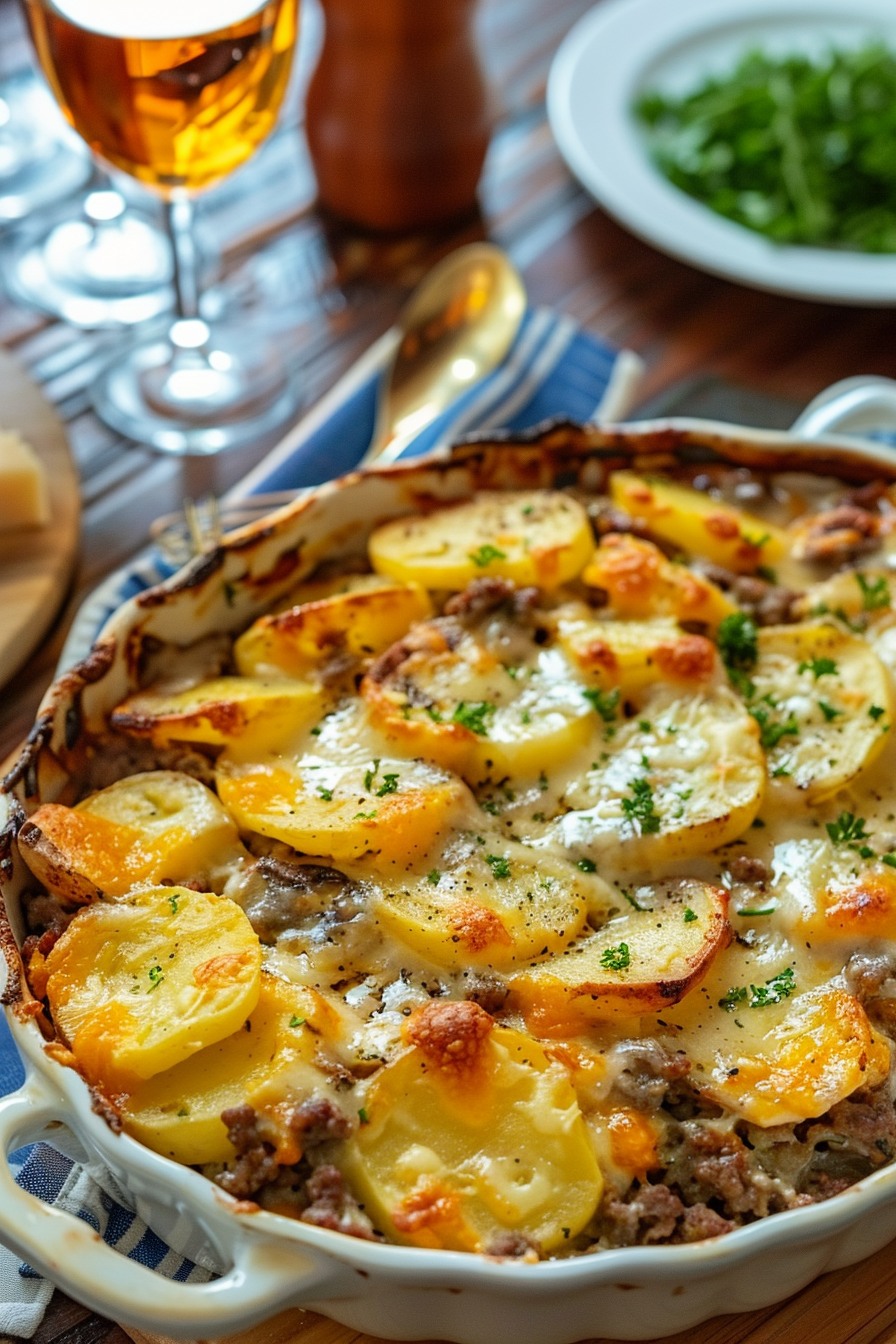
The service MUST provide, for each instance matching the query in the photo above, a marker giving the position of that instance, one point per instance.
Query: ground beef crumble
(313, 1121)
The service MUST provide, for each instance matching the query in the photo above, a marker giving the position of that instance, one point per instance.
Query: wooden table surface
(329, 295)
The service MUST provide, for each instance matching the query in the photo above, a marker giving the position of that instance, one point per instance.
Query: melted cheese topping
(620, 833)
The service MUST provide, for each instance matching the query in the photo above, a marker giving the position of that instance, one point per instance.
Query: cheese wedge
(24, 498)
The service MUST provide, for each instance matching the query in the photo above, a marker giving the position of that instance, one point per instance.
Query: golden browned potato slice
(817, 1051)
(484, 711)
(159, 826)
(138, 985)
(277, 1049)
(633, 654)
(640, 582)
(472, 1133)
(530, 537)
(699, 524)
(388, 810)
(355, 624)
(639, 962)
(836, 891)
(246, 714)
(823, 704)
(490, 902)
(769, 1036)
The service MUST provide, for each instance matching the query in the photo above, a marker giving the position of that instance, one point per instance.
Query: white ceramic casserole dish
(274, 1263)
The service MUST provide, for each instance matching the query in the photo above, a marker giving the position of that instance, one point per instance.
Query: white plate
(623, 48)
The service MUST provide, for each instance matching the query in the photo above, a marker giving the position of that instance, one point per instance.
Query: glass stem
(179, 224)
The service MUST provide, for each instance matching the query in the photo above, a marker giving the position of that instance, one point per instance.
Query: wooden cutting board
(36, 564)
(851, 1306)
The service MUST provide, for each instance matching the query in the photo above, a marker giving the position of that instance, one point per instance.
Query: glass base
(40, 160)
(107, 264)
(196, 390)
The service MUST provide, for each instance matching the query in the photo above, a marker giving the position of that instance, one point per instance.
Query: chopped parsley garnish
(389, 785)
(474, 714)
(847, 829)
(733, 998)
(639, 809)
(819, 667)
(587, 865)
(776, 988)
(616, 958)
(771, 731)
(690, 916)
(875, 592)
(172, 901)
(605, 703)
(364, 816)
(499, 865)
(829, 712)
(295, 1021)
(738, 643)
(371, 773)
(485, 555)
(156, 976)
(363, 1116)
(754, 911)
(876, 712)
(434, 876)
(326, 794)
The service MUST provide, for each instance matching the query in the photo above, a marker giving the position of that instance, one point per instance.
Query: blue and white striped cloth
(553, 369)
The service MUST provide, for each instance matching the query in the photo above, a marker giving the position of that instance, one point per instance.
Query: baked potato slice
(275, 1052)
(823, 703)
(682, 776)
(837, 888)
(158, 826)
(819, 1051)
(640, 582)
(248, 714)
(528, 536)
(478, 708)
(355, 624)
(633, 654)
(384, 810)
(472, 1133)
(698, 524)
(138, 985)
(640, 962)
(866, 595)
(490, 903)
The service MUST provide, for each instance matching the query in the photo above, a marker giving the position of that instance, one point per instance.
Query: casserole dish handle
(264, 1277)
(857, 406)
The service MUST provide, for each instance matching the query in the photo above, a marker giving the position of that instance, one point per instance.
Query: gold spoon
(456, 327)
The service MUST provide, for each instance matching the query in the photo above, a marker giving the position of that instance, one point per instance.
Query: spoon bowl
(457, 326)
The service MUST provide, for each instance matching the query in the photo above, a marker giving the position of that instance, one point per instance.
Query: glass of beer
(178, 94)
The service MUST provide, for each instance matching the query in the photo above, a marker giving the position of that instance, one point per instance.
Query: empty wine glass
(39, 162)
(178, 94)
(97, 260)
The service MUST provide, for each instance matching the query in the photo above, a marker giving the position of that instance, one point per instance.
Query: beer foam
(155, 19)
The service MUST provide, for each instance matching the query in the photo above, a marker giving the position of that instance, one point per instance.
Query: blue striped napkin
(553, 368)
